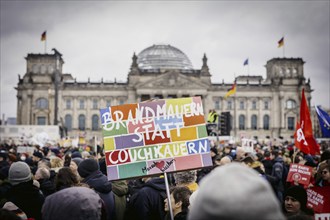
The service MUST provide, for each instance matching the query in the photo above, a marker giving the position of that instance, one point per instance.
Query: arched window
(254, 104)
(231, 122)
(254, 122)
(217, 104)
(81, 122)
(95, 122)
(266, 122)
(68, 122)
(290, 104)
(42, 103)
(241, 120)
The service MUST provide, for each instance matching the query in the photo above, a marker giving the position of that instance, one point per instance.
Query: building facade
(260, 108)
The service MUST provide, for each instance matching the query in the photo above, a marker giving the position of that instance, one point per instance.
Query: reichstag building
(260, 108)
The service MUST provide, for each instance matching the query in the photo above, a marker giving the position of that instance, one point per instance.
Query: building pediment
(173, 79)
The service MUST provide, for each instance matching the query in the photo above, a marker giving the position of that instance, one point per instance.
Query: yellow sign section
(179, 105)
(173, 150)
(109, 143)
(183, 134)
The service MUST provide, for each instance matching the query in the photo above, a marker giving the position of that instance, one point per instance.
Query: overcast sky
(98, 38)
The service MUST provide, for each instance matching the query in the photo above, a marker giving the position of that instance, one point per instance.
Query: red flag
(303, 137)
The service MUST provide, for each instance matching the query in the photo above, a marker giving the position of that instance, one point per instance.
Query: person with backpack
(279, 172)
(148, 202)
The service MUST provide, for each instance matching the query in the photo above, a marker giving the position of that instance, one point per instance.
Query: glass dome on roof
(163, 57)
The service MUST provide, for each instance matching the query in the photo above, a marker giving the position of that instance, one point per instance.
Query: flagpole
(234, 121)
(283, 47)
(46, 45)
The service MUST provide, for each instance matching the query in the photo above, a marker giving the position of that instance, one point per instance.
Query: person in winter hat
(79, 203)
(295, 201)
(19, 172)
(76, 154)
(234, 191)
(89, 170)
(23, 193)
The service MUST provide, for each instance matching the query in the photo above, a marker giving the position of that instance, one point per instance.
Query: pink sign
(300, 173)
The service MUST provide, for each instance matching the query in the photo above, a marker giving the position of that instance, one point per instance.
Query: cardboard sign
(318, 198)
(154, 137)
(300, 173)
(247, 145)
(25, 149)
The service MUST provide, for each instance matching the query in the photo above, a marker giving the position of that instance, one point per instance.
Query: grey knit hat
(234, 191)
(79, 203)
(19, 172)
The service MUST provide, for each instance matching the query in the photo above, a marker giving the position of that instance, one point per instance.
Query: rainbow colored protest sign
(154, 137)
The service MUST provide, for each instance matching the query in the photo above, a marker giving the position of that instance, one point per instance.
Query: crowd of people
(69, 183)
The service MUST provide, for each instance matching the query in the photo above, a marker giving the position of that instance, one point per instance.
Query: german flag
(43, 36)
(281, 42)
(231, 91)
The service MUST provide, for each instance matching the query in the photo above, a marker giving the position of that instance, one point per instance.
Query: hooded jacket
(148, 202)
(99, 182)
(277, 172)
(28, 198)
(120, 190)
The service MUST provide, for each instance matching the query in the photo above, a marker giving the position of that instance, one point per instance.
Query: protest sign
(300, 173)
(247, 145)
(25, 149)
(318, 198)
(154, 137)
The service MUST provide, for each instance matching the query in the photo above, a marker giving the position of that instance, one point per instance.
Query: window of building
(42, 103)
(229, 105)
(266, 105)
(158, 96)
(68, 104)
(43, 69)
(290, 104)
(172, 96)
(254, 122)
(241, 121)
(291, 123)
(121, 102)
(266, 122)
(68, 122)
(241, 105)
(95, 104)
(81, 122)
(108, 103)
(145, 97)
(35, 68)
(41, 120)
(217, 105)
(254, 104)
(95, 122)
(81, 104)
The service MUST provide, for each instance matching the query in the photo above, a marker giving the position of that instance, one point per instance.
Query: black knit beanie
(87, 167)
(298, 193)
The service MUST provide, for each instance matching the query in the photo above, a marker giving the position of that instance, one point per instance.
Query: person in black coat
(46, 186)
(148, 202)
(23, 193)
(89, 170)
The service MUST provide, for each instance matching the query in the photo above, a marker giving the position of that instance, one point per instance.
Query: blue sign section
(105, 116)
(169, 123)
(199, 146)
